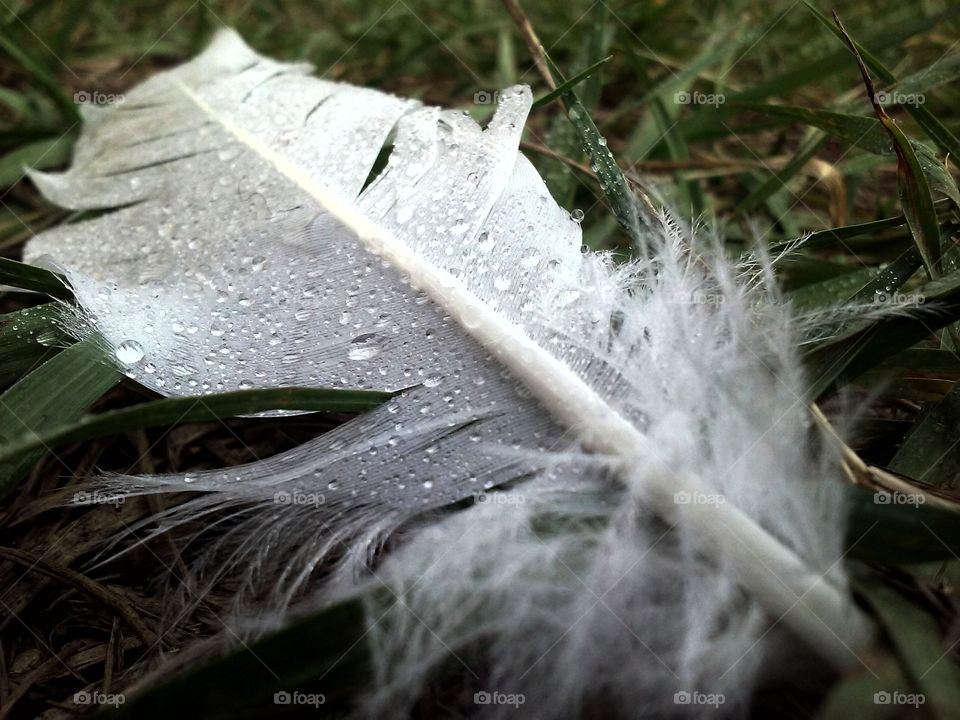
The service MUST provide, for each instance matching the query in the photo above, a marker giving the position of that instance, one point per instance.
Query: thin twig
(534, 46)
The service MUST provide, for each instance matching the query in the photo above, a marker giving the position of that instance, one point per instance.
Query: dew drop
(364, 347)
(129, 352)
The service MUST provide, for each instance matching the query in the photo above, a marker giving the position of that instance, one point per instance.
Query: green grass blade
(859, 130)
(889, 279)
(720, 47)
(562, 136)
(42, 155)
(831, 291)
(673, 91)
(57, 392)
(899, 533)
(42, 77)
(323, 653)
(778, 181)
(173, 411)
(931, 452)
(946, 69)
(916, 201)
(30, 277)
(918, 641)
(915, 197)
(694, 202)
(820, 69)
(868, 134)
(831, 237)
(571, 83)
(612, 181)
(938, 132)
(27, 337)
(866, 344)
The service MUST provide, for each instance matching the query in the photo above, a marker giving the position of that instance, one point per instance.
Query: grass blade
(898, 534)
(868, 343)
(918, 641)
(612, 181)
(946, 140)
(321, 654)
(931, 452)
(57, 392)
(173, 411)
(42, 77)
(30, 277)
(571, 83)
(42, 155)
(27, 337)
(915, 197)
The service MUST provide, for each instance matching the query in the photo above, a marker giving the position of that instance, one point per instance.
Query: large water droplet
(129, 352)
(484, 241)
(364, 347)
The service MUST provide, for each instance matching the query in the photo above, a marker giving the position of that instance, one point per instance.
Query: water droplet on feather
(129, 352)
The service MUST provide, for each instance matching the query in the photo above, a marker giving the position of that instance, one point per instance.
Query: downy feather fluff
(652, 514)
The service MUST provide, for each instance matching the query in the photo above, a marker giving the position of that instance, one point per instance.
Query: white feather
(246, 251)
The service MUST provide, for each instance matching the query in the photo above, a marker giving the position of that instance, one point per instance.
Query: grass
(746, 114)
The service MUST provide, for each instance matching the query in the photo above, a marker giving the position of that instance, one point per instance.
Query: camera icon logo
(485, 97)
